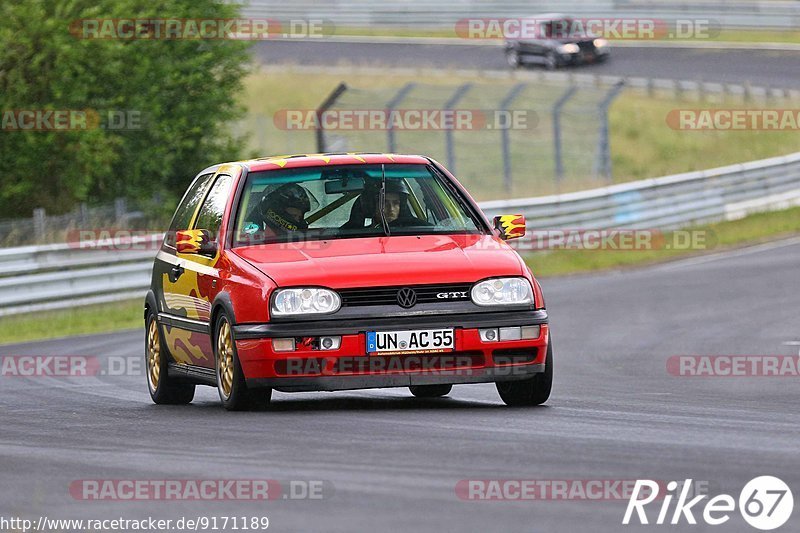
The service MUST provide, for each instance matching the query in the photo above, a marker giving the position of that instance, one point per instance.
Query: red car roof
(311, 160)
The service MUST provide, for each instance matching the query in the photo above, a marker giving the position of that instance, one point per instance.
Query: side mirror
(195, 241)
(510, 226)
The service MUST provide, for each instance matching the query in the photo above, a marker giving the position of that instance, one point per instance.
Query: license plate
(411, 341)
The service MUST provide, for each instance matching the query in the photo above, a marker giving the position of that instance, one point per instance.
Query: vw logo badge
(406, 298)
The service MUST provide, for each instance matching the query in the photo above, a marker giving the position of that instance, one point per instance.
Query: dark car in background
(555, 40)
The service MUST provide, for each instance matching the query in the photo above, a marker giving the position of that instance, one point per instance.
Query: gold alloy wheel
(153, 355)
(225, 359)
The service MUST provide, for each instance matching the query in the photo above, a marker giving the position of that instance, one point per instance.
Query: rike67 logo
(765, 503)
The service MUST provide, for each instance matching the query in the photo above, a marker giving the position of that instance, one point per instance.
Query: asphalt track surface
(760, 67)
(393, 461)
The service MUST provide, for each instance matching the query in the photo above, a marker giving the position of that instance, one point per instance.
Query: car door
(190, 282)
(165, 266)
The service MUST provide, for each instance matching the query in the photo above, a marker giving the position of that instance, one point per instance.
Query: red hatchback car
(341, 271)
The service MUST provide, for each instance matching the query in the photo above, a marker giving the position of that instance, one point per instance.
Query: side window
(187, 207)
(210, 215)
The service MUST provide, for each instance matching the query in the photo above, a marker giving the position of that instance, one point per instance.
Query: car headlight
(502, 291)
(600, 43)
(570, 48)
(305, 300)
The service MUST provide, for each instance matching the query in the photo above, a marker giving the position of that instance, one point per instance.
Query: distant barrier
(436, 13)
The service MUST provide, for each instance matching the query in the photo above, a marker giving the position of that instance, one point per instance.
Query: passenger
(396, 207)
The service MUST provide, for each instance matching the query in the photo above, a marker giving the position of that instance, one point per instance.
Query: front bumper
(584, 56)
(349, 367)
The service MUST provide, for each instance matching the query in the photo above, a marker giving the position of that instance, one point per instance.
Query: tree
(182, 92)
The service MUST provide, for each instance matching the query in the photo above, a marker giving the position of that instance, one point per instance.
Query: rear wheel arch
(150, 303)
(151, 306)
(163, 388)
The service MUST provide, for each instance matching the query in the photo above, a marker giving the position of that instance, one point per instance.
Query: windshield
(346, 201)
(560, 29)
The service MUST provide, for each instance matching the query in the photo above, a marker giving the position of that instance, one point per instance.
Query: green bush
(182, 91)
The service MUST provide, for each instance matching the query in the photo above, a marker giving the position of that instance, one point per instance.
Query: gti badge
(451, 295)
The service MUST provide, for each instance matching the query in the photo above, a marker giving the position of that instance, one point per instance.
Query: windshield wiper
(382, 202)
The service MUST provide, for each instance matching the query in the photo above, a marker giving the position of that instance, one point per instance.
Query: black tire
(512, 58)
(232, 388)
(551, 61)
(163, 389)
(430, 391)
(533, 391)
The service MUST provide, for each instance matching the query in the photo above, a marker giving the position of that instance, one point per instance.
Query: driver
(281, 211)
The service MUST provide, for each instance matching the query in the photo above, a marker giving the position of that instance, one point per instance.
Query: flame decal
(190, 241)
(513, 225)
(187, 347)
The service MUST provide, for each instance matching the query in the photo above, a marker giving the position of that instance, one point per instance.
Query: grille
(388, 295)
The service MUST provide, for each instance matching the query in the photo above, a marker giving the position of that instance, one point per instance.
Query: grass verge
(107, 318)
(753, 229)
(643, 145)
(99, 318)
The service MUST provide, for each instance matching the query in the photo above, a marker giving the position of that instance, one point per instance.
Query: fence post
(324, 106)
(505, 136)
(39, 223)
(603, 160)
(557, 155)
(390, 107)
(120, 210)
(748, 91)
(448, 133)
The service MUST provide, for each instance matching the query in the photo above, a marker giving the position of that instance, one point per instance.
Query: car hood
(376, 261)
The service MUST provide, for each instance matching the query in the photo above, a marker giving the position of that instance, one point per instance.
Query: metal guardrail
(66, 275)
(724, 193)
(436, 13)
(56, 276)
